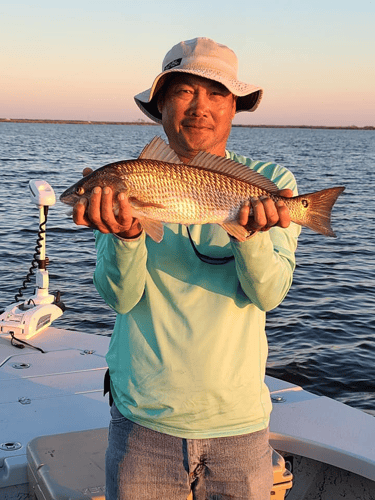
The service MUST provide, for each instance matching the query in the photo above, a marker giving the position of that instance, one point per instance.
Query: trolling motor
(24, 320)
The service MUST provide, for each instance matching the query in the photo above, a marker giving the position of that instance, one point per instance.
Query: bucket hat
(208, 59)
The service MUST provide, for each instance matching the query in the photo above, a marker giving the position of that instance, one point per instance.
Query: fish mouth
(69, 199)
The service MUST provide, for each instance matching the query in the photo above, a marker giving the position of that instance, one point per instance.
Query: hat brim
(248, 96)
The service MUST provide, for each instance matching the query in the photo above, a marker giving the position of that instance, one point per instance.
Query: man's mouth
(198, 126)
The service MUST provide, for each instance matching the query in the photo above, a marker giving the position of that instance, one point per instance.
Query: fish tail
(318, 208)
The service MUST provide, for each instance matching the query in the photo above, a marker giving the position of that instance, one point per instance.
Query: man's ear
(160, 104)
(234, 105)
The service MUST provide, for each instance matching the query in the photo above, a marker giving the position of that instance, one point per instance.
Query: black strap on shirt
(215, 261)
(107, 387)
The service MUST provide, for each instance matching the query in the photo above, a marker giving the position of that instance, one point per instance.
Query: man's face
(197, 115)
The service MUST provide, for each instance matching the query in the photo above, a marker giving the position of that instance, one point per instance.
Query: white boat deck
(62, 391)
(320, 428)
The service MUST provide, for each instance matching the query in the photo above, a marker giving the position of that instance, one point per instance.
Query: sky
(86, 59)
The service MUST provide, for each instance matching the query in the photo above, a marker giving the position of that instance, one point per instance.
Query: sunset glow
(86, 59)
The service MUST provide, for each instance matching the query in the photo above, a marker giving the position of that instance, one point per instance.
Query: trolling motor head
(41, 193)
(28, 318)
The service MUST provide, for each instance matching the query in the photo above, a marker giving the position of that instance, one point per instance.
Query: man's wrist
(132, 233)
(129, 235)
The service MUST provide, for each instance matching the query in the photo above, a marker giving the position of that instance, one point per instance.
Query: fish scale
(192, 196)
(209, 189)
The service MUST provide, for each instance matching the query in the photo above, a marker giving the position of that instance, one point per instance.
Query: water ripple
(321, 336)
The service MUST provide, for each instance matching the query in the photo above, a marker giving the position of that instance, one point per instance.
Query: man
(188, 352)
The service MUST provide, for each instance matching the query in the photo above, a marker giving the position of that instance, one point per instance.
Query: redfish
(209, 189)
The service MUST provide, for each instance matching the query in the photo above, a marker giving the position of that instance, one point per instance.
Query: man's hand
(262, 213)
(97, 213)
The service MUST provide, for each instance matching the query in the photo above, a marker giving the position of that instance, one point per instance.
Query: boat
(53, 411)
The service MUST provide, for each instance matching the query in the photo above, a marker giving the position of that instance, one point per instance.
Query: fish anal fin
(234, 169)
(236, 230)
(153, 228)
(159, 150)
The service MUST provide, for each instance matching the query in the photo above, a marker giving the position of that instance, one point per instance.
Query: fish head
(102, 177)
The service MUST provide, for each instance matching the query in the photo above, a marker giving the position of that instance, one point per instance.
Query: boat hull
(328, 445)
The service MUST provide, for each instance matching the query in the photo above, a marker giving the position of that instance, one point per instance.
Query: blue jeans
(142, 464)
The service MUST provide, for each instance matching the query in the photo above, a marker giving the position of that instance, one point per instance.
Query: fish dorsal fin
(158, 149)
(232, 168)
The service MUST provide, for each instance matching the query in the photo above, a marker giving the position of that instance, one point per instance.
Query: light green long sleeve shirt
(188, 353)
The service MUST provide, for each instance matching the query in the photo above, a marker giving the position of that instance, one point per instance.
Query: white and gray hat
(208, 59)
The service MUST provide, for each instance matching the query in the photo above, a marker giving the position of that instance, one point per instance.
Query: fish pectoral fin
(135, 203)
(236, 230)
(153, 228)
(159, 150)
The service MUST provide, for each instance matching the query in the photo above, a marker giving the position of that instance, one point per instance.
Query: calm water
(322, 336)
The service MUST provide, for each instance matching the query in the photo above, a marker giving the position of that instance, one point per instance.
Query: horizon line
(149, 123)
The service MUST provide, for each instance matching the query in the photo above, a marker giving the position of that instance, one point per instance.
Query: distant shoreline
(144, 123)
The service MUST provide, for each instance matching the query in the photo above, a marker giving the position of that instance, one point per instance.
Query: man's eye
(220, 93)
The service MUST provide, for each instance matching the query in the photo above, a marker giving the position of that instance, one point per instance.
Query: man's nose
(199, 105)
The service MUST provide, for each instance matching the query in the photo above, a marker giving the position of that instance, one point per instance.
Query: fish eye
(80, 191)
(305, 203)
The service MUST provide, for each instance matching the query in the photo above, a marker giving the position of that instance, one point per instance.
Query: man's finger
(125, 216)
(94, 214)
(259, 217)
(106, 207)
(286, 193)
(284, 216)
(79, 213)
(270, 212)
(243, 215)
(87, 171)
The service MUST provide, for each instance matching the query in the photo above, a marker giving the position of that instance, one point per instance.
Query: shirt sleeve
(120, 272)
(265, 263)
